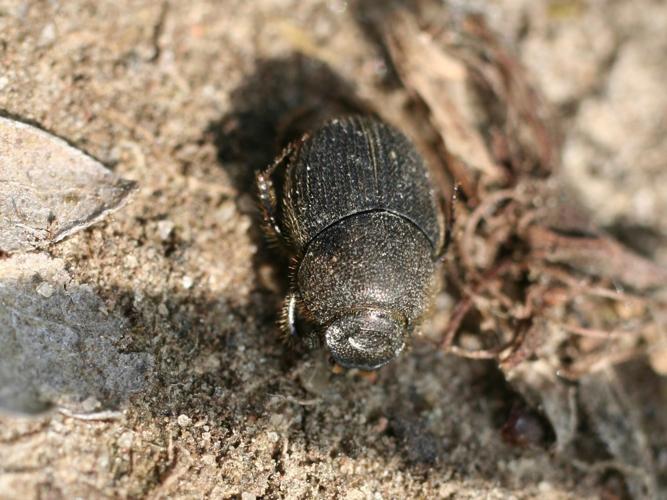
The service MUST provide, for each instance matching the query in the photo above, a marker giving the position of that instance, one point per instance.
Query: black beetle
(354, 207)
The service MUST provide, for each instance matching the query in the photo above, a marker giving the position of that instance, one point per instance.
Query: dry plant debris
(554, 299)
(186, 98)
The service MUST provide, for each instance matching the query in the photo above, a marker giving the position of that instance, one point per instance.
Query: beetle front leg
(290, 303)
(450, 219)
(268, 199)
(288, 317)
(268, 202)
(294, 328)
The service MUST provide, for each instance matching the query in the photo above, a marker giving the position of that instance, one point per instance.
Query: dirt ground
(183, 97)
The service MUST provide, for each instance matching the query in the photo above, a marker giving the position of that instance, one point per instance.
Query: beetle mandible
(353, 205)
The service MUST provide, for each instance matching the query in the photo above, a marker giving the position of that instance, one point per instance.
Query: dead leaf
(50, 190)
(58, 345)
(444, 90)
(615, 417)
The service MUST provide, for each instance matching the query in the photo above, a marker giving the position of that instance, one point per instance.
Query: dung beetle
(353, 205)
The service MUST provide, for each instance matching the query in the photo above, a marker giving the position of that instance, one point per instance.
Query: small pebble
(226, 211)
(164, 229)
(45, 289)
(337, 6)
(131, 261)
(355, 494)
(125, 440)
(184, 420)
(273, 437)
(47, 36)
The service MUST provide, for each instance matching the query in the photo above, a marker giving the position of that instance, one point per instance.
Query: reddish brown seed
(525, 428)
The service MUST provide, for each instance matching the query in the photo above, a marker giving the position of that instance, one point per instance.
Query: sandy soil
(183, 97)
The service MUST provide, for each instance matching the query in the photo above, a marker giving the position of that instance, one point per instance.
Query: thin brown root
(477, 354)
(472, 296)
(473, 221)
(583, 285)
(597, 333)
(599, 361)
(493, 353)
(460, 310)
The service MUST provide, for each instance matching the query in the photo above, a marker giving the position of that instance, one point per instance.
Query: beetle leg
(267, 195)
(450, 219)
(451, 216)
(288, 317)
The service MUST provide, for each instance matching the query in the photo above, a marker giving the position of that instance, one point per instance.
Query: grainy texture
(181, 97)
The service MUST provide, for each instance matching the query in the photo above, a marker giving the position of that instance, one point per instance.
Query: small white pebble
(187, 282)
(545, 487)
(90, 404)
(337, 6)
(355, 494)
(226, 211)
(184, 420)
(125, 440)
(273, 437)
(138, 297)
(246, 495)
(45, 289)
(164, 229)
(47, 36)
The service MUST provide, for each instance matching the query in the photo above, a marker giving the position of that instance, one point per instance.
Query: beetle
(353, 205)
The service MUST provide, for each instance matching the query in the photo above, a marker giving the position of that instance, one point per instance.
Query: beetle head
(366, 339)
